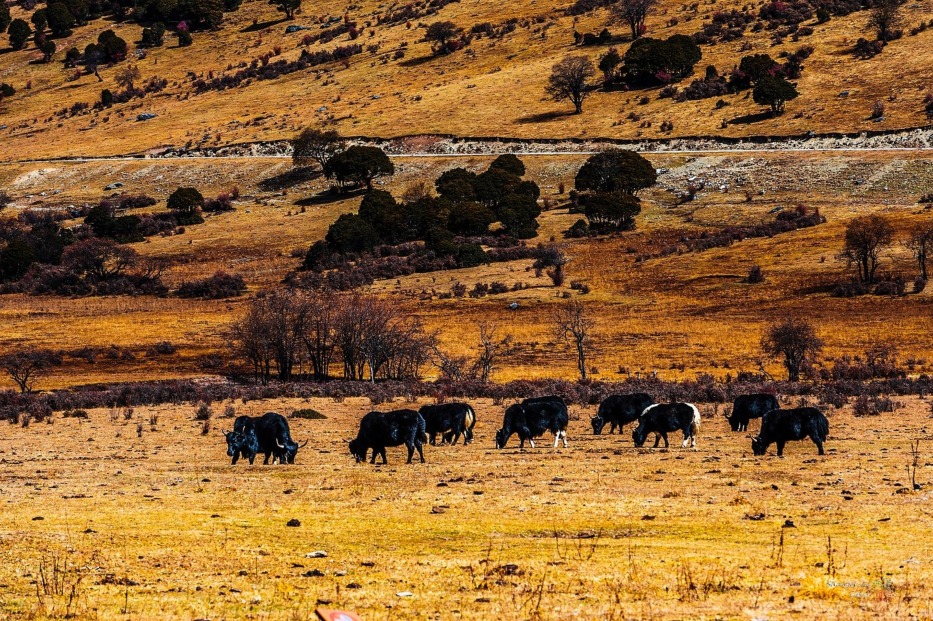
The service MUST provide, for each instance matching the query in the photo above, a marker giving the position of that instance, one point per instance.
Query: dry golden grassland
(101, 523)
(493, 88)
(691, 310)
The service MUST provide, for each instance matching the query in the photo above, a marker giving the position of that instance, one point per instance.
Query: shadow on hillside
(544, 117)
(748, 119)
(262, 25)
(326, 198)
(416, 62)
(289, 178)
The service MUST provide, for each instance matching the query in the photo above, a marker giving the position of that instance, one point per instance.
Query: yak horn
(305, 443)
(280, 445)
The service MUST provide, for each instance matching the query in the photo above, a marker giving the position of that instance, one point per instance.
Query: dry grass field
(98, 522)
(492, 88)
(677, 315)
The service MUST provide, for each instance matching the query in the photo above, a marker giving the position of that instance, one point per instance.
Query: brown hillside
(494, 87)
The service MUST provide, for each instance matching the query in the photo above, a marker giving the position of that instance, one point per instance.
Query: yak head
(235, 442)
(289, 450)
(501, 438)
(358, 450)
(639, 434)
(598, 423)
(758, 445)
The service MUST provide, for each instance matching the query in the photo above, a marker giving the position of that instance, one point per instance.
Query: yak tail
(823, 427)
(695, 423)
(470, 419)
(422, 429)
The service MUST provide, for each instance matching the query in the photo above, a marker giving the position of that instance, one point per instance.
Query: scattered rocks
(316, 554)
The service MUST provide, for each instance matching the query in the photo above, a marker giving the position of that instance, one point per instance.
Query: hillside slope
(396, 87)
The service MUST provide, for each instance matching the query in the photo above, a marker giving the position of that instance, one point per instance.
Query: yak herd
(530, 419)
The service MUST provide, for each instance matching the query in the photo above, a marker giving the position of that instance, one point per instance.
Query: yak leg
(420, 452)
(664, 435)
(657, 439)
(780, 448)
(563, 435)
(383, 452)
(818, 443)
(411, 451)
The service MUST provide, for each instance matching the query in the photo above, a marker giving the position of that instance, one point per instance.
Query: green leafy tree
(494, 185)
(518, 214)
(510, 164)
(5, 17)
(614, 212)
(19, 32)
(616, 170)
(154, 36)
(359, 166)
(61, 21)
(774, 91)
(15, 259)
(470, 218)
(757, 66)
(40, 20)
(351, 233)
(186, 204)
(796, 341)
(456, 184)
(654, 60)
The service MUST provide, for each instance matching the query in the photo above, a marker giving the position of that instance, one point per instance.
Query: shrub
(162, 348)
(203, 412)
(647, 59)
(185, 204)
(755, 275)
(75, 414)
(866, 49)
(307, 414)
(219, 286)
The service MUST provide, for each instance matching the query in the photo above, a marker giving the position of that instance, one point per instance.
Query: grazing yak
(531, 418)
(451, 420)
(243, 443)
(378, 430)
(619, 411)
(662, 418)
(782, 426)
(273, 437)
(747, 407)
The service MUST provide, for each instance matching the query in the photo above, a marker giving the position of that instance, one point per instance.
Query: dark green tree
(186, 204)
(19, 32)
(456, 184)
(5, 17)
(651, 61)
(351, 233)
(61, 21)
(470, 218)
(616, 170)
(774, 91)
(46, 46)
(510, 164)
(15, 259)
(494, 185)
(611, 212)
(359, 166)
(40, 20)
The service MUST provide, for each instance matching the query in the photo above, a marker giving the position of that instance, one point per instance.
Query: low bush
(219, 286)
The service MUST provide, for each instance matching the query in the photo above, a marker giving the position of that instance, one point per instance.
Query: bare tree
(319, 333)
(885, 18)
(491, 348)
(571, 78)
(127, 77)
(920, 243)
(796, 341)
(25, 367)
(865, 238)
(633, 13)
(573, 325)
(316, 145)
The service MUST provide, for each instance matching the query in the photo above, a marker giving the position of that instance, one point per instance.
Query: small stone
(316, 554)
(293, 523)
